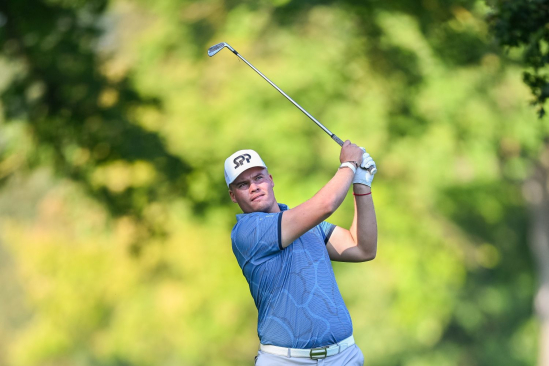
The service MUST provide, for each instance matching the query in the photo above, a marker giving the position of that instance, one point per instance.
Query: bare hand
(351, 152)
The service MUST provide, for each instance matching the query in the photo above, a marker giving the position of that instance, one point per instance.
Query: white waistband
(314, 353)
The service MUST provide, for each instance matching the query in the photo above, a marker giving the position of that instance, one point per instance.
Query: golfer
(285, 256)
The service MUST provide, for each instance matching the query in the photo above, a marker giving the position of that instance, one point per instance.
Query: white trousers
(352, 356)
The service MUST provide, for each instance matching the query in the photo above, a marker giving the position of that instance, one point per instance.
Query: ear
(272, 181)
(232, 196)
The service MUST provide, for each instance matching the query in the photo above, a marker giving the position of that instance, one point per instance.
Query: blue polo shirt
(294, 288)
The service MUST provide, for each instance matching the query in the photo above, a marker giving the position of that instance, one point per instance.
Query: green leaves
(523, 24)
(116, 125)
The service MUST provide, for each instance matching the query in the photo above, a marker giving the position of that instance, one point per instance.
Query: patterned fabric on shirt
(299, 304)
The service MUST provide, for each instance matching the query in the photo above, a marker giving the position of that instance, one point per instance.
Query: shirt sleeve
(257, 237)
(326, 230)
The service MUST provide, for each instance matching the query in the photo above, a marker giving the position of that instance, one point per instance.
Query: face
(253, 191)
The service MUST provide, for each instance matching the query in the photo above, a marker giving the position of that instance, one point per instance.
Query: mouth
(257, 197)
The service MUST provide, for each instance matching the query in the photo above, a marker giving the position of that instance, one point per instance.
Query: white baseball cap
(239, 162)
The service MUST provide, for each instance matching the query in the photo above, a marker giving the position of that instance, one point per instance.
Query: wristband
(348, 165)
(362, 194)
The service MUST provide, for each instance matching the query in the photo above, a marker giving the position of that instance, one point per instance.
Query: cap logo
(239, 160)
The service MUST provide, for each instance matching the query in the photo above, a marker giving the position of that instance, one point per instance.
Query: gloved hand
(365, 173)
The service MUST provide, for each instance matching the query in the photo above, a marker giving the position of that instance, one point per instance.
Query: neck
(274, 208)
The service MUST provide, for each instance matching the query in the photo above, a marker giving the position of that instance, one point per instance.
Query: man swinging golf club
(285, 256)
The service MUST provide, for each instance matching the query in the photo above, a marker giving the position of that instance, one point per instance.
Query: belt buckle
(318, 353)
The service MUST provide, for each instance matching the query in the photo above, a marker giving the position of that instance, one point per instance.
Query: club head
(218, 47)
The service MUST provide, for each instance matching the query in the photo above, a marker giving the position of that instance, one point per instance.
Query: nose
(254, 187)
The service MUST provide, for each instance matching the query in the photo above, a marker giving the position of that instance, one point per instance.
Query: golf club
(218, 47)
(213, 50)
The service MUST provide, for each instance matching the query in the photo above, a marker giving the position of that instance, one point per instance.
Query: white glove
(365, 173)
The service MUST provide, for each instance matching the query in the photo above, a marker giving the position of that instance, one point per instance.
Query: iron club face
(218, 47)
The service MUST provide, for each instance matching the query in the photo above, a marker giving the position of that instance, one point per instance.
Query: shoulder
(256, 234)
(248, 223)
(251, 219)
(325, 230)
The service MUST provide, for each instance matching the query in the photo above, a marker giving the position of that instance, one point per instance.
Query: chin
(259, 207)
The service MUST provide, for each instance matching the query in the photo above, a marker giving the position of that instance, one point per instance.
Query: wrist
(360, 188)
(355, 163)
(350, 165)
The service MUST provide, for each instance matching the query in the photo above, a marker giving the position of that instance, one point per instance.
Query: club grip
(337, 139)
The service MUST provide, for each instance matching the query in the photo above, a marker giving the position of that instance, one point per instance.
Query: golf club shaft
(332, 135)
(218, 47)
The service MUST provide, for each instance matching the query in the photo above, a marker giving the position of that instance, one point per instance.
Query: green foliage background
(115, 219)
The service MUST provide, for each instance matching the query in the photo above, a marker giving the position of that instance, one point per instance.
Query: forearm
(297, 221)
(331, 196)
(364, 226)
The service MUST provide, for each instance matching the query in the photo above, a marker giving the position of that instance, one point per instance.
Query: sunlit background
(114, 215)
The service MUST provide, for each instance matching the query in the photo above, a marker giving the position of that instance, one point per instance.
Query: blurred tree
(417, 82)
(81, 119)
(522, 24)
